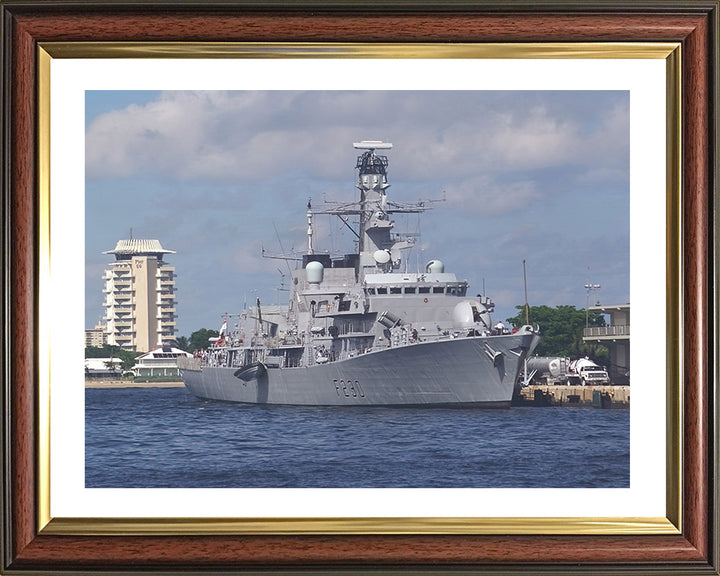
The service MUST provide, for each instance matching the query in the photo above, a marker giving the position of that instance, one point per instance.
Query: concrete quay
(533, 395)
(91, 383)
(566, 395)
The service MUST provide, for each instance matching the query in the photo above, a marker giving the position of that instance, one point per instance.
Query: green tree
(182, 343)
(96, 352)
(128, 357)
(201, 339)
(111, 366)
(562, 330)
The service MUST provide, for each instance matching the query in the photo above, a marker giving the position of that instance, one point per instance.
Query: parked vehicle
(585, 372)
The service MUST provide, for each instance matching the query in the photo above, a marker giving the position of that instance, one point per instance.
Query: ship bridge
(397, 283)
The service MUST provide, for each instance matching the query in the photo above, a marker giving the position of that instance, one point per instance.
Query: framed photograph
(597, 119)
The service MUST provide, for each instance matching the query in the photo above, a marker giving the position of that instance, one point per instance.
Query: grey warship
(360, 330)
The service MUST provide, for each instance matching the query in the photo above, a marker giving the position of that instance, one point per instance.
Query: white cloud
(483, 195)
(511, 138)
(249, 259)
(438, 135)
(216, 171)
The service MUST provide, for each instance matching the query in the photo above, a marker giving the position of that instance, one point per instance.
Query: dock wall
(533, 395)
(565, 395)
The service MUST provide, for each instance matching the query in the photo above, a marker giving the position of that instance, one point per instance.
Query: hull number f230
(349, 388)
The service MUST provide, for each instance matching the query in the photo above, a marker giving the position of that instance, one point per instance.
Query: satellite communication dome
(381, 256)
(314, 271)
(462, 315)
(435, 267)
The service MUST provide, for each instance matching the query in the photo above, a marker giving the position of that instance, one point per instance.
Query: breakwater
(566, 395)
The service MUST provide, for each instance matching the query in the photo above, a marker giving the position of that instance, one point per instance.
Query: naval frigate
(360, 329)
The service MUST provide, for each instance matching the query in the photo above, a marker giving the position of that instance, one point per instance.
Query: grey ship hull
(478, 371)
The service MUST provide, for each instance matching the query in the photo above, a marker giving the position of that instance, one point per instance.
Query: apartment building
(96, 336)
(139, 292)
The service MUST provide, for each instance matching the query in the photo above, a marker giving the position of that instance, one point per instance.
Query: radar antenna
(372, 145)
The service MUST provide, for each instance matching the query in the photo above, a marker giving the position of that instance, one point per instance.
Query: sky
(540, 176)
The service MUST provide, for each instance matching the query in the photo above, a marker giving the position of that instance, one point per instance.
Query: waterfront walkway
(130, 384)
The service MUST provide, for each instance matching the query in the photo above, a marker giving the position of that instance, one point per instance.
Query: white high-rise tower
(139, 292)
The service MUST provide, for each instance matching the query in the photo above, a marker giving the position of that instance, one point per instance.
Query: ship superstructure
(360, 328)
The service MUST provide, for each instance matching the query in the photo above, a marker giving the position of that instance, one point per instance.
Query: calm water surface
(167, 438)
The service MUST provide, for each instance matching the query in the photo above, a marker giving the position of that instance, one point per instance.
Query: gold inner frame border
(671, 524)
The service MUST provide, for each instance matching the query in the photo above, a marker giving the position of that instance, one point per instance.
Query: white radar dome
(314, 272)
(381, 256)
(462, 315)
(435, 267)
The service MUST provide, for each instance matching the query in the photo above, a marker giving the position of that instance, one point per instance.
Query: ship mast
(310, 228)
(372, 183)
(378, 249)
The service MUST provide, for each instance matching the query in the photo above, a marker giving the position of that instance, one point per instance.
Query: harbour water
(167, 438)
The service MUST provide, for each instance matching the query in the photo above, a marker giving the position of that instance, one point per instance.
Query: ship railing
(400, 339)
(360, 327)
(407, 337)
(600, 331)
(189, 363)
(214, 357)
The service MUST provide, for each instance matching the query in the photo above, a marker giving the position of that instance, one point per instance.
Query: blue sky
(540, 176)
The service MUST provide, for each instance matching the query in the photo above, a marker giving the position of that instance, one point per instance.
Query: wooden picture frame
(28, 547)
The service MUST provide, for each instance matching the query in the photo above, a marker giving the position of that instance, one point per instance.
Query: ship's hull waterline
(478, 371)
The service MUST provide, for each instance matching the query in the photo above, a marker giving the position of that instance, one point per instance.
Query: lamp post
(589, 288)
